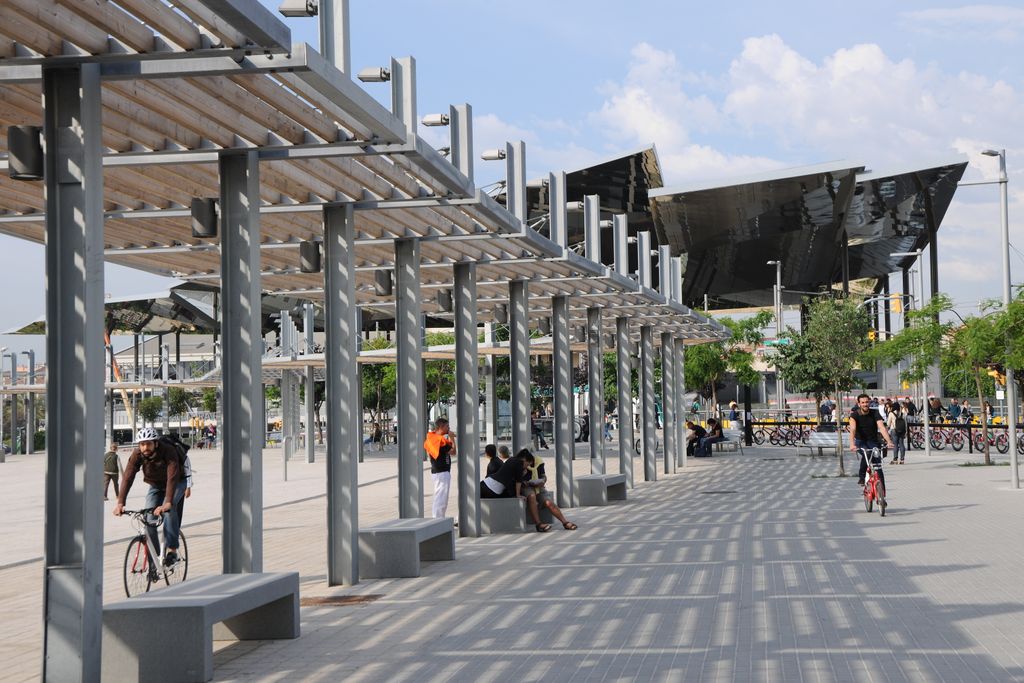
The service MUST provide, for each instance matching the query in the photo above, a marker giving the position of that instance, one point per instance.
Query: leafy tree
(149, 409)
(273, 393)
(178, 401)
(440, 374)
(707, 364)
(378, 381)
(209, 399)
(800, 367)
(975, 346)
(1010, 326)
(837, 332)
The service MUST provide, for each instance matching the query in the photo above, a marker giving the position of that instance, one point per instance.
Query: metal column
(467, 398)
(668, 400)
(595, 391)
(519, 360)
(649, 416)
(490, 389)
(242, 350)
(308, 322)
(73, 575)
(15, 447)
(679, 381)
(562, 385)
(410, 407)
(625, 398)
(342, 376)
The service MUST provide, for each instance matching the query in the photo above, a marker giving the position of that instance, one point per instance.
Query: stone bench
(598, 489)
(733, 442)
(819, 441)
(394, 549)
(168, 635)
(508, 515)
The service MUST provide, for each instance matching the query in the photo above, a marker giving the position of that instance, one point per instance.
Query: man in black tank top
(866, 431)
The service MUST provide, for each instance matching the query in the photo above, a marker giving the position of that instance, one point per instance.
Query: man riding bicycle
(865, 427)
(161, 470)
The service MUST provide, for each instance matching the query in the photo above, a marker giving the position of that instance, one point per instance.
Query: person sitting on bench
(693, 437)
(534, 488)
(507, 482)
(714, 435)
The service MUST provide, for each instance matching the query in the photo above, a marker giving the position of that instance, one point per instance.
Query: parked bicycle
(1001, 441)
(144, 563)
(874, 489)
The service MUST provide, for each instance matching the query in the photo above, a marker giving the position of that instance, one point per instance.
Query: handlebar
(143, 516)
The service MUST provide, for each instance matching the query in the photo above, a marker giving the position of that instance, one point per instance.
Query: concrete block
(598, 489)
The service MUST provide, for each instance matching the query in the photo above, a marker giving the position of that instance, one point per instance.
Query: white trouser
(442, 484)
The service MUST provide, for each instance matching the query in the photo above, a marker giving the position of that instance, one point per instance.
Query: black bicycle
(144, 563)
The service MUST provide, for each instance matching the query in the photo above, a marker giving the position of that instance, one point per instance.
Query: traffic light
(872, 335)
(896, 302)
(999, 377)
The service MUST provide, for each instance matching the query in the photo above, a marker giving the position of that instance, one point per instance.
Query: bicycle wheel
(758, 436)
(178, 571)
(957, 440)
(139, 570)
(880, 493)
(1002, 443)
(937, 441)
(637, 446)
(869, 499)
(773, 438)
(917, 439)
(1020, 443)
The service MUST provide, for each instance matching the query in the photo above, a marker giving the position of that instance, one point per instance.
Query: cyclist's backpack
(901, 425)
(179, 447)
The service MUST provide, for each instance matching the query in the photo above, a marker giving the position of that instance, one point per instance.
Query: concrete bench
(733, 442)
(394, 549)
(598, 489)
(168, 635)
(819, 441)
(508, 515)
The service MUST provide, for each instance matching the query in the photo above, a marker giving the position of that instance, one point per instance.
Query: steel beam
(592, 227)
(254, 21)
(242, 352)
(650, 418)
(562, 374)
(515, 179)
(519, 360)
(342, 394)
(595, 392)
(467, 398)
(624, 377)
(411, 407)
(403, 92)
(559, 219)
(668, 400)
(308, 323)
(335, 45)
(460, 118)
(490, 388)
(679, 380)
(73, 549)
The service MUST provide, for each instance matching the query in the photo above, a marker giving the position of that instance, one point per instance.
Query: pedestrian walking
(111, 470)
(440, 446)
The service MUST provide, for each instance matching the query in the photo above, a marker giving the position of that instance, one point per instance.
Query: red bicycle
(874, 489)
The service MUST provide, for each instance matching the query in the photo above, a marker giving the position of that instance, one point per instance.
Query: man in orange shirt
(440, 446)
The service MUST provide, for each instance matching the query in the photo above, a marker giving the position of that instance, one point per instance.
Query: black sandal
(569, 526)
(543, 527)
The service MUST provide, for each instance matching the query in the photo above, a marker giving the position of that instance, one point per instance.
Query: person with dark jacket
(440, 446)
(714, 435)
(111, 470)
(508, 482)
(693, 438)
(161, 469)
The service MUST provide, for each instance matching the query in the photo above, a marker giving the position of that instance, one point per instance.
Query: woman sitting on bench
(714, 435)
(507, 482)
(534, 488)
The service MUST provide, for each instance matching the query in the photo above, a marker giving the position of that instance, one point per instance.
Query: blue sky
(723, 89)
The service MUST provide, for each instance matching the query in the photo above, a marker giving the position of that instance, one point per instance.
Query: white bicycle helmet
(147, 434)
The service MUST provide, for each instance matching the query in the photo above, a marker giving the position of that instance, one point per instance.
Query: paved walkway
(740, 568)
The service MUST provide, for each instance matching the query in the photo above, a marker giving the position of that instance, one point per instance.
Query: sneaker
(170, 558)
(860, 482)
(893, 461)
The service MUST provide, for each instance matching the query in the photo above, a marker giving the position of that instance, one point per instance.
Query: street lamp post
(924, 382)
(780, 385)
(1011, 389)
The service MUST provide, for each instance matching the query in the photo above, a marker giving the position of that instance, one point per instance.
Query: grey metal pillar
(242, 431)
(625, 400)
(334, 34)
(679, 380)
(595, 393)
(342, 376)
(519, 360)
(562, 386)
(165, 366)
(668, 400)
(467, 402)
(310, 386)
(31, 419)
(650, 417)
(490, 389)
(73, 549)
(410, 408)
(15, 449)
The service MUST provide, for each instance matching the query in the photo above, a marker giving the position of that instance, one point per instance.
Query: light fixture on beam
(374, 74)
(501, 313)
(544, 326)
(299, 8)
(444, 300)
(382, 284)
(25, 152)
(309, 257)
(435, 120)
(493, 155)
(574, 207)
(204, 217)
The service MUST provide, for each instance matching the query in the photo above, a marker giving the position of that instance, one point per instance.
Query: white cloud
(1001, 23)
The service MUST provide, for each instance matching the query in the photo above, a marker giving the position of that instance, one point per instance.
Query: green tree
(1010, 326)
(378, 381)
(440, 374)
(801, 368)
(707, 364)
(149, 409)
(178, 401)
(837, 332)
(210, 399)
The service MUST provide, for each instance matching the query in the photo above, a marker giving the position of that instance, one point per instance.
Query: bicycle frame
(874, 489)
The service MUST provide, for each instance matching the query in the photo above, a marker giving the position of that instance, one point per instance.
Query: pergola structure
(135, 114)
